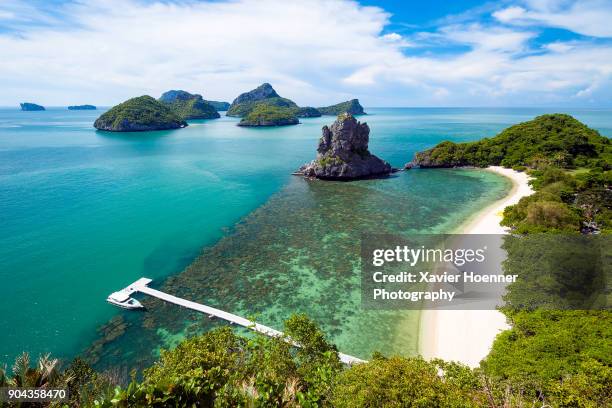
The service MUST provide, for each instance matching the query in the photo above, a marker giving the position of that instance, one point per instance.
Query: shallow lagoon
(85, 213)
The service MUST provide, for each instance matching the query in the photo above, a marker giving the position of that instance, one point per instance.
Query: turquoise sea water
(84, 213)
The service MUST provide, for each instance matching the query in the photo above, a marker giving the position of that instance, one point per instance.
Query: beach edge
(466, 336)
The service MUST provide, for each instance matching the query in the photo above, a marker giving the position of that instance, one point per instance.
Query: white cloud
(586, 17)
(510, 14)
(487, 38)
(392, 37)
(559, 47)
(313, 53)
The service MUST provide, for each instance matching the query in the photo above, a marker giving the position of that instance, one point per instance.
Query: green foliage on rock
(264, 114)
(548, 140)
(246, 102)
(189, 106)
(563, 202)
(139, 114)
(353, 107)
(244, 108)
(307, 112)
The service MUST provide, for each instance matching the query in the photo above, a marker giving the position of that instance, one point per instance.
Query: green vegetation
(353, 107)
(407, 382)
(188, 106)
(549, 140)
(329, 161)
(193, 108)
(244, 108)
(264, 114)
(223, 369)
(139, 114)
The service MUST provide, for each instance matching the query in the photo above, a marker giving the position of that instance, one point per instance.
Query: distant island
(269, 115)
(219, 106)
(262, 95)
(139, 114)
(82, 107)
(343, 153)
(27, 106)
(353, 107)
(189, 106)
(281, 111)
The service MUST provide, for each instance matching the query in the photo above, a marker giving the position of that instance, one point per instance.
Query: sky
(316, 52)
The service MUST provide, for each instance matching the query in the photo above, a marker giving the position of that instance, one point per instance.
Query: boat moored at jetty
(123, 300)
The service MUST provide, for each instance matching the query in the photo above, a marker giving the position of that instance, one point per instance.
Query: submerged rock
(343, 153)
(139, 114)
(27, 106)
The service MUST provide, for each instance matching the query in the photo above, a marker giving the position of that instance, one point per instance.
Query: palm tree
(44, 374)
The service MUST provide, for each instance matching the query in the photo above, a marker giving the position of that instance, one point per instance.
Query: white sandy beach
(466, 335)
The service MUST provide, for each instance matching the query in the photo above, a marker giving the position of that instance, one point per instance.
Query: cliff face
(343, 153)
(139, 114)
(27, 106)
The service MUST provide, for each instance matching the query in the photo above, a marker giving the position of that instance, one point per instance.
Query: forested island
(28, 106)
(353, 107)
(260, 107)
(269, 115)
(571, 163)
(189, 106)
(273, 110)
(139, 114)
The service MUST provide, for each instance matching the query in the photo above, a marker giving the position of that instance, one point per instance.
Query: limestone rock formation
(343, 153)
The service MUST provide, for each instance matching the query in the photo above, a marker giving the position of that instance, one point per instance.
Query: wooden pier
(141, 286)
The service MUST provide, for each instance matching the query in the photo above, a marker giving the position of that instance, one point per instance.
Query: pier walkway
(141, 285)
